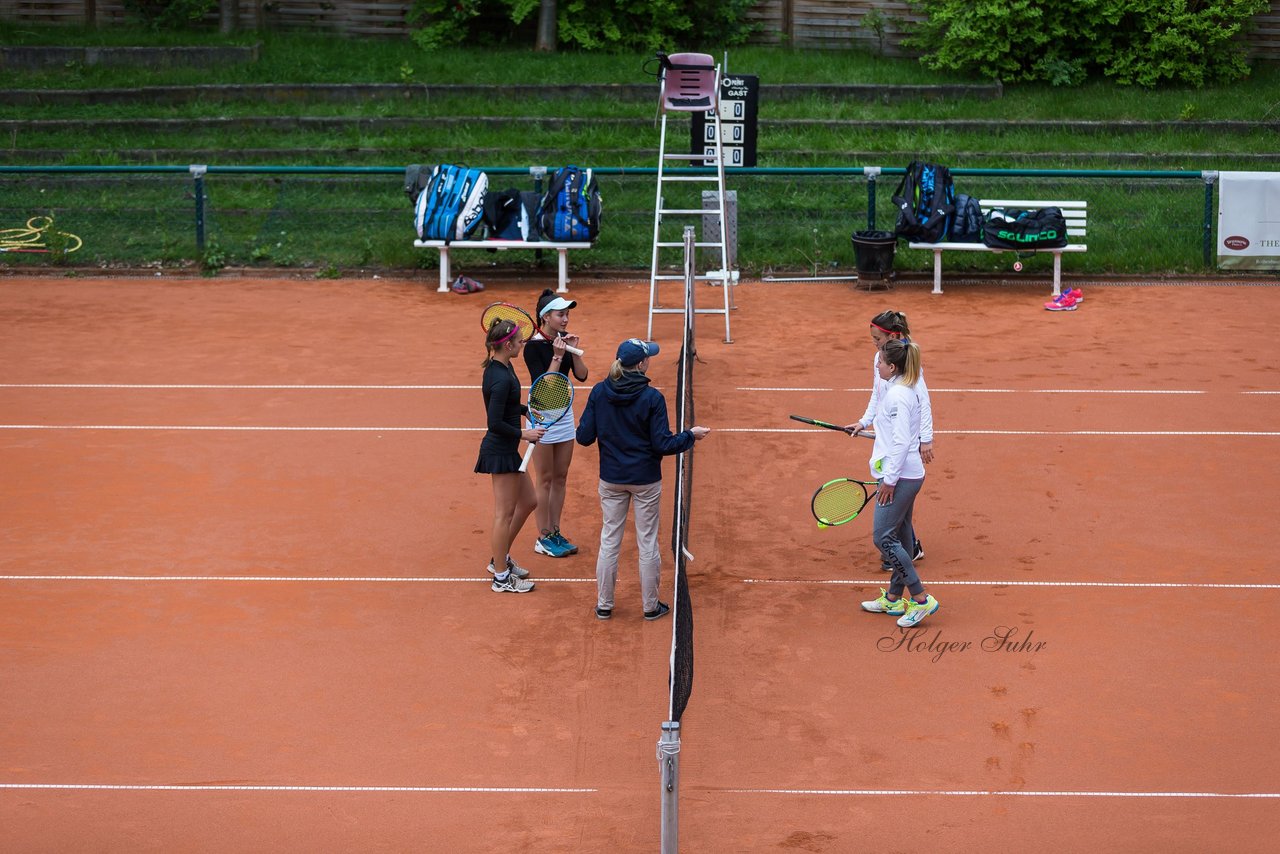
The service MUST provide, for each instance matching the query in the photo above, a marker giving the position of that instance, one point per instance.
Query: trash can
(873, 254)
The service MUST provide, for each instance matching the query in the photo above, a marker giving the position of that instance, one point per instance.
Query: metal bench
(1075, 213)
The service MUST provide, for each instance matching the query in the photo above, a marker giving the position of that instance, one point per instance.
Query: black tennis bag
(926, 202)
(1045, 228)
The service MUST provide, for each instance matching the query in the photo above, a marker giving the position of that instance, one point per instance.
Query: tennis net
(681, 673)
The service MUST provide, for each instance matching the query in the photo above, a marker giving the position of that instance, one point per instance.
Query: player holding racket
(889, 326)
(896, 463)
(629, 417)
(513, 495)
(546, 352)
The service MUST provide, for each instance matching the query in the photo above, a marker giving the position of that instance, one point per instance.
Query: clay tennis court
(243, 604)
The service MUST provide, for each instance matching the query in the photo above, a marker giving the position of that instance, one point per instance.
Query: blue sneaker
(917, 611)
(570, 548)
(549, 546)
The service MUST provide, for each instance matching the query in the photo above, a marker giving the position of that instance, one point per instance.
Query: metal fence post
(197, 175)
(872, 172)
(1210, 177)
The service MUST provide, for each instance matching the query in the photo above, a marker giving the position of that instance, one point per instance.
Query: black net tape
(682, 652)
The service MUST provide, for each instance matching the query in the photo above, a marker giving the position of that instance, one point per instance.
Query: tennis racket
(841, 500)
(518, 316)
(550, 399)
(816, 423)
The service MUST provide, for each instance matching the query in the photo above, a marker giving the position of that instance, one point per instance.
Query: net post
(198, 172)
(669, 768)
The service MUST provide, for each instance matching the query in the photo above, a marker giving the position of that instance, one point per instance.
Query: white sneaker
(516, 569)
(917, 611)
(511, 584)
(883, 605)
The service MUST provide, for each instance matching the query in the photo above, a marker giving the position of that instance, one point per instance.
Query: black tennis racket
(550, 399)
(816, 423)
(841, 500)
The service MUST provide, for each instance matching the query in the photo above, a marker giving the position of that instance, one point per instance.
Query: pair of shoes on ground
(514, 582)
(658, 613)
(908, 611)
(1068, 300)
(919, 555)
(464, 285)
(554, 545)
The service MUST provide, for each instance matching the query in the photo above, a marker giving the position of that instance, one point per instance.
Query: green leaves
(1135, 42)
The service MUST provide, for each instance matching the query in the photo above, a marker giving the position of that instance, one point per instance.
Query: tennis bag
(512, 214)
(967, 225)
(1045, 228)
(570, 210)
(926, 201)
(416, 177)
(451, 205)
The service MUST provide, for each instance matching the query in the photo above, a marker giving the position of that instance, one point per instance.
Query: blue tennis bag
(570, 210)
(452, 203)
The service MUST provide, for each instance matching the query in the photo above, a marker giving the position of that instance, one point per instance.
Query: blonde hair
(498, 330)
(616, 369)
(905, 358)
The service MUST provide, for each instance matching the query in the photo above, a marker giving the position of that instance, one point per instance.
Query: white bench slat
(1075, 214)
(561, 249)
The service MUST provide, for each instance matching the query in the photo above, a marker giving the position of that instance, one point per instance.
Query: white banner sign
(1249, 220)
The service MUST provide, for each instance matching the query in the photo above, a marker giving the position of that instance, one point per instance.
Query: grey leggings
(894, 537)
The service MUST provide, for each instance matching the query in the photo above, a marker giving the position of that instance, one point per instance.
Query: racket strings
(550, 396)
(839, 502)
(500, 311)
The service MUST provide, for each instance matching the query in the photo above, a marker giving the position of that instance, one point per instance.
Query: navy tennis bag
(512, 214)
(926, 202)
(451, 204)
(570, 211)
(1044, 228)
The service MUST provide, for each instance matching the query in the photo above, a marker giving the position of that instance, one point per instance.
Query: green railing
(357, 216)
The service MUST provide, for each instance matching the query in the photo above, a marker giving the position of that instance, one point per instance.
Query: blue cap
(633, 351)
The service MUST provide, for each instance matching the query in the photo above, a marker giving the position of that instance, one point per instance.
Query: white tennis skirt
(564, 430)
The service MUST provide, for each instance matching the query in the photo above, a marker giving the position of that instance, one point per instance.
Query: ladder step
(696, 245)
(666, 178)
(689, 211)
(688, 157)
(669, 310)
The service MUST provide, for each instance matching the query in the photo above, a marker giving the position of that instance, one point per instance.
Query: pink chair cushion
(690, 89)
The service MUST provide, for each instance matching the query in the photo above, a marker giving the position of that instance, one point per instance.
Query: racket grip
(528, 455)
(574, 350)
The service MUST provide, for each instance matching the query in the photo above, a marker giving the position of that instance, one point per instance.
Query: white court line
(249, 387)
(235, 788)
(322, 429)
(314, 578)
(1010, 390)
(823, 431)
(980, 793)
(240, 427)
(872, 582)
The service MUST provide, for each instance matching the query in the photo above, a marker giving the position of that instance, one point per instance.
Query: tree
(547, 26)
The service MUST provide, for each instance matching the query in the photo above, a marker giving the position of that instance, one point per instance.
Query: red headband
(882, 329)
(505, 338)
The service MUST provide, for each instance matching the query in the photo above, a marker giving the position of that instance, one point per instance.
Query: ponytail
(905, 358)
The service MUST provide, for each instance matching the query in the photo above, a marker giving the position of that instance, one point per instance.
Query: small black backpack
(967, 226)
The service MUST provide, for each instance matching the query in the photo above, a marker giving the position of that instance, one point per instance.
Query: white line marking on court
(315, 578)
(295, 387)
(1010, 390)
(239, 427)
(1022, 432)
(979, 793)
(234, 788)
(872, 582)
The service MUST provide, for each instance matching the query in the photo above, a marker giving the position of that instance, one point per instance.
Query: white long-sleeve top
(878, 389)
(897, 449)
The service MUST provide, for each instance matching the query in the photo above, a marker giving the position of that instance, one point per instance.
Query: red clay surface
(249, 639)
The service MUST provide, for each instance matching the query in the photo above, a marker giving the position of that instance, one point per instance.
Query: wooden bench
(561, 248)
(1075, 213)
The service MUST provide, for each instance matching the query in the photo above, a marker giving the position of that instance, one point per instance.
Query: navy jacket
(629, 417)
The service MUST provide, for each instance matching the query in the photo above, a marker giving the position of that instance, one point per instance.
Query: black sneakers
(663, 610)
(604, 613)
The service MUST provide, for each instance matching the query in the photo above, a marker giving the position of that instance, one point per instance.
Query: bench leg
(1057, 273)
(564, 270)
(444, 269)
(937, 271)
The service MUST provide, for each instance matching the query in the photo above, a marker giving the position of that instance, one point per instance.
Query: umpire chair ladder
(689, 83)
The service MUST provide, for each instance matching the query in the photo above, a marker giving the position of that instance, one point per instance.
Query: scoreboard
(739, 107)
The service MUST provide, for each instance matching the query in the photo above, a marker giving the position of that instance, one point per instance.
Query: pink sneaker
(464, 285)
(1063, 302)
